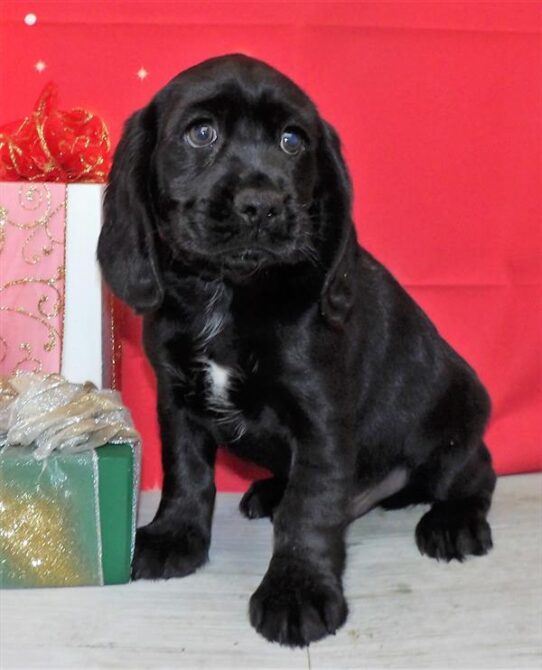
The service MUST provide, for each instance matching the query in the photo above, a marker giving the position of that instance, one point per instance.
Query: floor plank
(406, 611)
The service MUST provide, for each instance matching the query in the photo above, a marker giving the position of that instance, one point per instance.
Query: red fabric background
(439, 107)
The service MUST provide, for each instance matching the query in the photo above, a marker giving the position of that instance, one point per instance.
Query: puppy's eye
(291, 142)
(201, 135)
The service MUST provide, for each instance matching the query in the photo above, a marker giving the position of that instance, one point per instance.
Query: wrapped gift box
(65, 518)
(68, 520)
(54, 316)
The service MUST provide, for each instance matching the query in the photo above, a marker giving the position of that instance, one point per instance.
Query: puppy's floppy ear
(339, 286)
(126, 246)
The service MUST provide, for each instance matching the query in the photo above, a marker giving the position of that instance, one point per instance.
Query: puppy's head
(229, 170)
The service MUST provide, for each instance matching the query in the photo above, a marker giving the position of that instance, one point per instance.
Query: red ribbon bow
(55, 145)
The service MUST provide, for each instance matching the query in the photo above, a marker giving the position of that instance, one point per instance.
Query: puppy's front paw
(447, 533)
(295, 606)
(160, 555)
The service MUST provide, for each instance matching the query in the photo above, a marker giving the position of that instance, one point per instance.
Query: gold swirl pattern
(32, 233)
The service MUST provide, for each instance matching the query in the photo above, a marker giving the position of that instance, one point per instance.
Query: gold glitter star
(142, 73)
(40, 66)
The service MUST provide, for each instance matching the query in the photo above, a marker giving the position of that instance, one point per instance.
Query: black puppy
(227, 223)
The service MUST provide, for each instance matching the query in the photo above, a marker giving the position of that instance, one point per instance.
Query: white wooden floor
(406, 611)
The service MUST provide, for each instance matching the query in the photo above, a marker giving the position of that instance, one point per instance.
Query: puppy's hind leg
(262, 497)
(456, 525)
(370, 496)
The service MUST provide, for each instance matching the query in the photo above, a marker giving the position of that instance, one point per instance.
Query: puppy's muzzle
(247, 260)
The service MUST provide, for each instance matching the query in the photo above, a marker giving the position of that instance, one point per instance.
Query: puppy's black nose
(258, 205)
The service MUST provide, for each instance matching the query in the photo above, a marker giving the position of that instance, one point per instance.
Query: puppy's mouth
(246, 261)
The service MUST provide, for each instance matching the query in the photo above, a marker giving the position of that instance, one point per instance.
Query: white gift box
(86, 350)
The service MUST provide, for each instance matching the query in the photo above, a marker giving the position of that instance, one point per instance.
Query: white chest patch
(218, 378)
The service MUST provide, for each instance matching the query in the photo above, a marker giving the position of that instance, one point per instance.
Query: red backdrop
(439, 109)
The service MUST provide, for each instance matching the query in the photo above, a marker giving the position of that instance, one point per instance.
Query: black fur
(241, 254)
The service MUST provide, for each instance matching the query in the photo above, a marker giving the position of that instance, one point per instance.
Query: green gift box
(69, 519)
